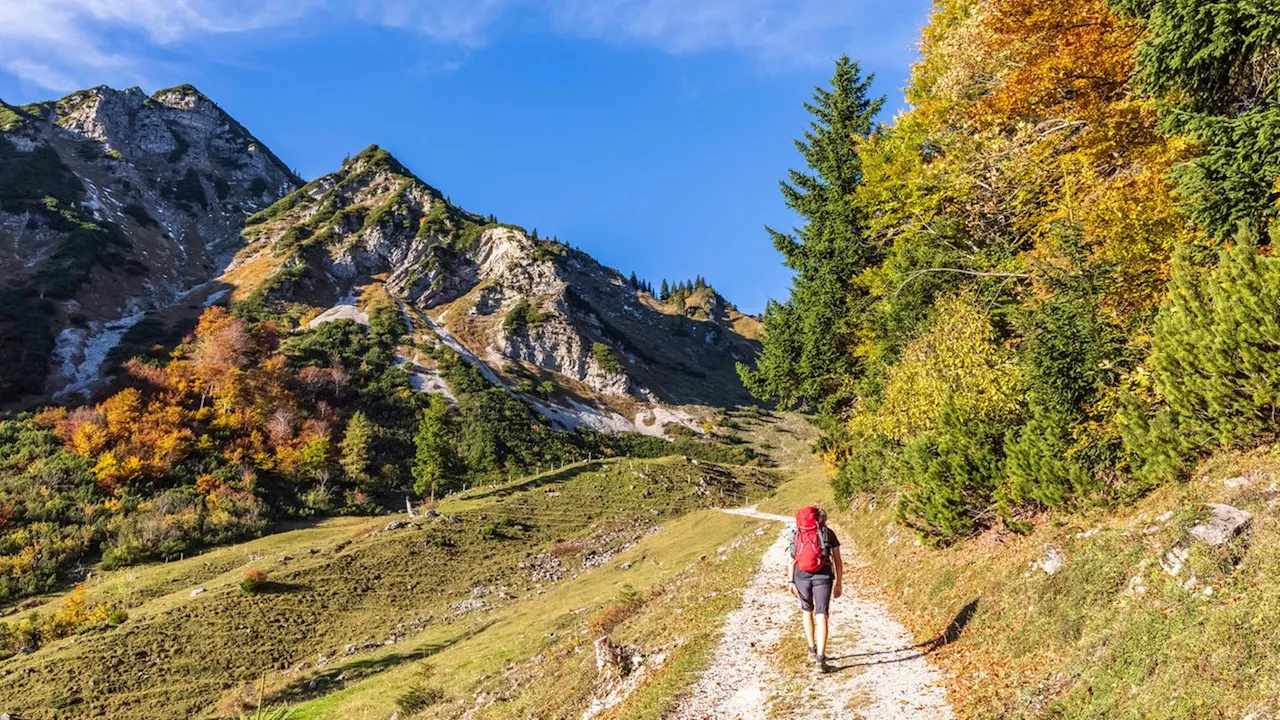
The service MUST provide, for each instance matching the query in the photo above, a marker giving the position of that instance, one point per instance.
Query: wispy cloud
(64, 44)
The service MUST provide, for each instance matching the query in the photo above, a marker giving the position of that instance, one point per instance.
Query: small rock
(1173, 560)
(1226, 523)
(394, 525)
(197, 591)
(313, 551)
(286, 558)
(1052, 561)
(1166, 517)
(1236, 482)
(626, 565)
(1088, 533)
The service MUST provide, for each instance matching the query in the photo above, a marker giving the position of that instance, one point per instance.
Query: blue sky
(650, 133)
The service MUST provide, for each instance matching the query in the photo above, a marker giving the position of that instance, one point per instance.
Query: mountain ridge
(205, 213)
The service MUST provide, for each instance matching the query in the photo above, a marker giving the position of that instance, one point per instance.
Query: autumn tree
(357, 446)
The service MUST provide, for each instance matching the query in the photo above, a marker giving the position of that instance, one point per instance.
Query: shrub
(139, 215)
(417, 699)
(254, 581)
(623, 607)
(117, 618)
(521, 318)
(187, 191)
(953, 473)
(605, 359)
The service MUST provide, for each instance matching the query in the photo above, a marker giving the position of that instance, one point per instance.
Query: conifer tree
(805, 356)
(1211, 65)
(357, 446)
(665, 292)
(431, 459)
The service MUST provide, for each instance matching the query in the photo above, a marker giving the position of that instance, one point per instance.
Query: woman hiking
(814, 575)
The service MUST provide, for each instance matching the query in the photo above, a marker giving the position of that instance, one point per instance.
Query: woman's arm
(791, 576)
(838, 563)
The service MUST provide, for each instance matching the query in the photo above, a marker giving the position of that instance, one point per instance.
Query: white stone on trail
(880, 670)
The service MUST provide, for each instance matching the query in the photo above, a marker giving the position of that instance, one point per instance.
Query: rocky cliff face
(113, 204)
(530, 310)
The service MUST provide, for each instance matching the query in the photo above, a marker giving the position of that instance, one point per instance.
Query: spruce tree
(808, 338)
(431, 457)
(665, 292)
(1211, 67)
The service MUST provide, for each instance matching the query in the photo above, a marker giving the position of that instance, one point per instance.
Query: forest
(1050, 280)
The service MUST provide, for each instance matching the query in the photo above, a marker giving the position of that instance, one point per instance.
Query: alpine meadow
(333, 445)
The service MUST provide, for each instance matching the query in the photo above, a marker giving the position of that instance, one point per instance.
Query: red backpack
(809, 541)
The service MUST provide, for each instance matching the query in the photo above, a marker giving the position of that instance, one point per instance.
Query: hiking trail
(878, 670)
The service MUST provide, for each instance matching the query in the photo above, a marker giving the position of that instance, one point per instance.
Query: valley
(492, 602)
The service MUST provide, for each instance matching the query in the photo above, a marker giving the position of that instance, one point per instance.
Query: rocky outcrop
(150, 192)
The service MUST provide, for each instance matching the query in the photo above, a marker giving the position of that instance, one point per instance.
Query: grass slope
(1111, 634)
(351, 583)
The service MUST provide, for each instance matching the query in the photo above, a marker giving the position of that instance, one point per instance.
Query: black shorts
(814, 592)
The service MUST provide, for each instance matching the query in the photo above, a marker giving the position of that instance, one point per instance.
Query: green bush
(521, 318)
(187, 191)
(606, 359)
(952, 474)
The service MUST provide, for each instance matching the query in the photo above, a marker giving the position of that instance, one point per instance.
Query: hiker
(814, 575)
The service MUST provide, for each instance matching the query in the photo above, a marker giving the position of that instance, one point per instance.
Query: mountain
(119, 208)
(112, 204)
(528, 310)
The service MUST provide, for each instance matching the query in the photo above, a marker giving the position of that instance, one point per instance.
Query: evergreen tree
(1211, 65)
(805, 357)
(431, 459)
(665, 292)
(534, 235)
(357, 446)
(635, 281)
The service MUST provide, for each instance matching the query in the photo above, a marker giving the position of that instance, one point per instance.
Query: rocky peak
(162, 183)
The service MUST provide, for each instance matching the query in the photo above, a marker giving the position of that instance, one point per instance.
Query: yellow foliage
(958, 360)
(88, 439)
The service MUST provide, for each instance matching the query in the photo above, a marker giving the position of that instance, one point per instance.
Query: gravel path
(878, 671)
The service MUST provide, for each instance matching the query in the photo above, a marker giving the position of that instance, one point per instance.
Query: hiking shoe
(813, 654)
(823, 667)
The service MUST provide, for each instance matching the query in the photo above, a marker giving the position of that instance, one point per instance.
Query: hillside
(529, 310)
(353, 611)
(114, 204)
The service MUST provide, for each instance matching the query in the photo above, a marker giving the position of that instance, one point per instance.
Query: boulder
(1225, 523)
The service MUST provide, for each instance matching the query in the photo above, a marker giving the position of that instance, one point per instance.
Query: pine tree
(534, 236)
(806, 355)
(635, 281)
(665, 292)
(357, 446)
(431, 459)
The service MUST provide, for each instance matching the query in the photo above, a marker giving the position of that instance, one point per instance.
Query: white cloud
(63, 44)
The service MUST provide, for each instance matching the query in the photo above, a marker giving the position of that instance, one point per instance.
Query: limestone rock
(1225, 523)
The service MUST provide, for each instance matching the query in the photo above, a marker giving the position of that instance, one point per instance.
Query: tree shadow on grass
(344, 674)
(949, 634)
